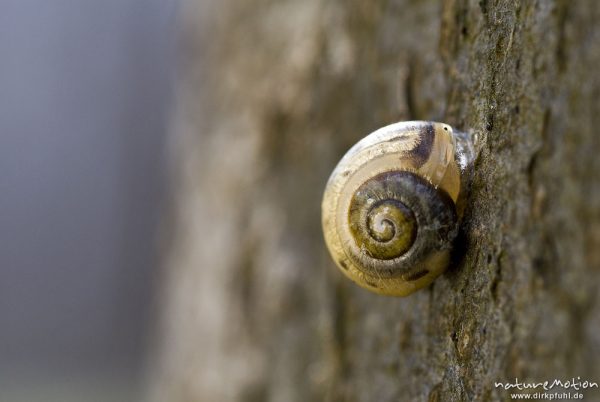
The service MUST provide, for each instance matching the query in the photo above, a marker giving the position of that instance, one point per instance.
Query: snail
(392, 206)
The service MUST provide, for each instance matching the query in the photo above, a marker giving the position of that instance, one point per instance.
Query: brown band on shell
(420, 154)
(413, 276)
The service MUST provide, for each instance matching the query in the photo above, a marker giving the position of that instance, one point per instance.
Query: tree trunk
(272, 95)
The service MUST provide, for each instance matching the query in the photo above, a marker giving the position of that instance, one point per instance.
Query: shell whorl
(396, 219)
(389, 209)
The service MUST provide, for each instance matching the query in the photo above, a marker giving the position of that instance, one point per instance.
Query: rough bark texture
(273, 93)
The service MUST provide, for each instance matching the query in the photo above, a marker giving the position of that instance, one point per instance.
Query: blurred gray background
(85, 91)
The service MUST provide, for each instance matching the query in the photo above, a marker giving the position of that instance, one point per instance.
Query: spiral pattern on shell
(389, 209)
(396, 219)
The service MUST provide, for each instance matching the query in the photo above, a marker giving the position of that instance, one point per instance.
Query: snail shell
(390, 211)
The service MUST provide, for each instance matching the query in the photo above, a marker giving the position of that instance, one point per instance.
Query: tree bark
(273, 93)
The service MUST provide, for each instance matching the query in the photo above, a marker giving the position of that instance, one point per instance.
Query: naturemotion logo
(575, 384)
(539, 390)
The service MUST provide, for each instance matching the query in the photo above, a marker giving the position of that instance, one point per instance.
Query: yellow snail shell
(390, 211)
